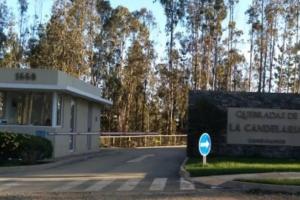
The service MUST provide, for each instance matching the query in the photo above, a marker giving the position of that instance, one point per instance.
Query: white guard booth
(54, 105)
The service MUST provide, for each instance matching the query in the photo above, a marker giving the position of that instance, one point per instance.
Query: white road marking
(7, 186)
(186, 185)
(139, 159)
(158, 184)
(129, 185)
(68, 186)
(78, 177)
(99, 185)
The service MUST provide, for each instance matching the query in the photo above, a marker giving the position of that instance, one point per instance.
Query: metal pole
(160, 142)
(204, 160)
(175, 140)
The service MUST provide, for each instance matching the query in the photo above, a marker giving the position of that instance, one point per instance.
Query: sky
(43, 8)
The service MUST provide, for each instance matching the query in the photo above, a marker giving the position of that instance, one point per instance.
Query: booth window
(59, 110)
(41, 112)
(30, 108)
(2, 106)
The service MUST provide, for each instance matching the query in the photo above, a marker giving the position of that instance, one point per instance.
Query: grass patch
(294, 182)
(240, 165)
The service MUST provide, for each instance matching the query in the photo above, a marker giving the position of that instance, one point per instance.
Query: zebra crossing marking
(99, 185)
(158, 184)
(129, 185)
(186, 185)
(68, 186)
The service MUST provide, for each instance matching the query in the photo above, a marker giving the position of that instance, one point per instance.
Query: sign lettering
(263, 126)
(25, 76)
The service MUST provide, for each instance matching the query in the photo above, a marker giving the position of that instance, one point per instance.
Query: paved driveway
(113, 171)
(116, 174)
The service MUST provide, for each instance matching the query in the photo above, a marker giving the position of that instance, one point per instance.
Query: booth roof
(49, 80)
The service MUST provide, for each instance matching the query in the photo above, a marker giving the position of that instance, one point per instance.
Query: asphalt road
(116, 174)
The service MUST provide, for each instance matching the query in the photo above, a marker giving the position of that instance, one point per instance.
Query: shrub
(27, 148)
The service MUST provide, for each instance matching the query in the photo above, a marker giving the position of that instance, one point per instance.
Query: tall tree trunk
(261, 47)
(215, 64)
(251, 55)
(265, 62)
(272, 53)
(230, 35)
(282, 59)
(171, 115)
(297, 40)
(200, 46)
(195, 57)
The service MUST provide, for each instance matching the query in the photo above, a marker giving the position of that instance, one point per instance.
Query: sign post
(204, 146)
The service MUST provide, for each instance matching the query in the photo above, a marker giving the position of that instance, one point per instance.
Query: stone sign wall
(245, 124)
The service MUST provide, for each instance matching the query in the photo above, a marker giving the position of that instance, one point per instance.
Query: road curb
(247, 186)
(182, 171)
(186, 175)
(55, 163)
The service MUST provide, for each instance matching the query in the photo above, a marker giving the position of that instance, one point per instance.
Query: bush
(27, 148)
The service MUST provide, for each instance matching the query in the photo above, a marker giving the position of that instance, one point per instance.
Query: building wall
(66, 114)
(81, 128)
(96, 113)
(61, 144)
(81, 115)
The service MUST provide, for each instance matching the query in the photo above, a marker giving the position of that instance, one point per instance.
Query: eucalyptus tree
(220, 14)
(272, 12)
(234, 59)
(117, 32)
(286, 72)
(295, 12)
(231, 70)
(263, 17)
(252, 12)
(174, 11)
(194, 19)
(23, 7)
(135, 84)
(9, 43)
(102, 57)
(261, 43)
(63, 45)
(123, 57)
(4, 17)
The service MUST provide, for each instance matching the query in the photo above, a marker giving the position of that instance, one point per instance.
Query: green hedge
(25, 148)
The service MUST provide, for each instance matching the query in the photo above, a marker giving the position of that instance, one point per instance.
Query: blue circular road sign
(204, 144)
